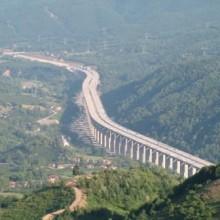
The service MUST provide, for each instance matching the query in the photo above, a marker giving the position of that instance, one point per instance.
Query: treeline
(123, 190)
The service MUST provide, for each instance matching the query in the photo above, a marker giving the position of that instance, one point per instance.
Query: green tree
(193, 208)
(76, 170)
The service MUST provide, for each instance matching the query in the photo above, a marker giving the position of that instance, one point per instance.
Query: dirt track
(48, 121)
(79, 202)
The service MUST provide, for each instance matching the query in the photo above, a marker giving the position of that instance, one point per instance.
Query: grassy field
(12, 194)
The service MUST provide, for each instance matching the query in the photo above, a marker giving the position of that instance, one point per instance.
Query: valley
(33, 150)
(110, 135)
(128, 131)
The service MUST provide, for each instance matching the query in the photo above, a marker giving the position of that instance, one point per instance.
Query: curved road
(98, 114)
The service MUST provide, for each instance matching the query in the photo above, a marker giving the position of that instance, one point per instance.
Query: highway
(98, 114)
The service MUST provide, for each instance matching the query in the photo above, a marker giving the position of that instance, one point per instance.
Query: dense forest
(197, 198)
(177, 104)
(123, 190)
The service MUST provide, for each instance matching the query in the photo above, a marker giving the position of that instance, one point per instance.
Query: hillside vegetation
(30, 93)
(158, 60)
(109, 193)
(71, 23)
(112, 194)
(177, 104)
(123, 190)
(37, 204)
(198, 198)
(135, 194)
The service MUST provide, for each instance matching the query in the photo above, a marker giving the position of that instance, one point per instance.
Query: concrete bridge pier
(143, 153)
(164, 160)
(119, 145)
(125, 147)
(109, 140)
(160, 159)
(186, 170)
(177, 166)
(105, 140)
(122, 145)
(192, 170)
(112, 142)
(115, 138)
(149, 155)
(98, 136)
(156, 157)
(171, 161)
(137, 151)
(101, 138)
(130, 149)
(95, 133)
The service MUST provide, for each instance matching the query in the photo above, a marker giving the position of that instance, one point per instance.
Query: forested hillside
(113, 194)
(198, 198)
(123, 190)
(177, 104)
(70, 24)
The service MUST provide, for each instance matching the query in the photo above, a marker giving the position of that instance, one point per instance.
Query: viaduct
(116, 138)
